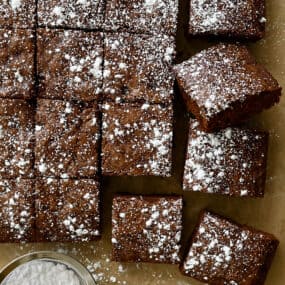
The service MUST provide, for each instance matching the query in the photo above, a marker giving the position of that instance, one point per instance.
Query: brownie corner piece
(137, 139)
(224, 252)
(230, 19)
(224, 85)
(137, 68)
(67, 210)
(142, 17)
(17, 68)
(229, 162)
(17, 139)
(17, 210)
(87, 14)
(69, 64)
(18, 14)
(146, 228)
(67, 139)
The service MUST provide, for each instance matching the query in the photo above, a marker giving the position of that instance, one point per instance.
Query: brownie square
(16, 139)
(230, 162)
(223, 252)
(67, 210)
(17, 13)
(142, 16)
(137, 139)
(146, 228)
(138, 68)
(17, 65)
(87, 14)
(224, 85)
(243, 19)
(67, 138)
(16, 210)
(69, 64)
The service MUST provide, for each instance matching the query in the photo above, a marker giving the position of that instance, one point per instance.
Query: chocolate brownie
(16, 139)
(17, 66)
(67, 210)
(223, 85)
(67, 137)
(137, 139)
(223, 252)
(16, 210)
(142, 16)
(17, 13)
(69, 64)
(87, 14)
(146, 228)
(137, 68)
(243, 19)
(231, 161)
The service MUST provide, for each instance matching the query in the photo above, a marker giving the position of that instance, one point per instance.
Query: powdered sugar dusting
(148, 233)
(225, 162)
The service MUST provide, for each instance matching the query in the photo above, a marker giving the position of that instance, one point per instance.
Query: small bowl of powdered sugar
(45, 268)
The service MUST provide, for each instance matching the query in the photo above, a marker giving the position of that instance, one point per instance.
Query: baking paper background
(267, 214)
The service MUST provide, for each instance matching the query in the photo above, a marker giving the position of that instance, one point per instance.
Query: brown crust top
(239, 19)
(17, 67)
(67, 210)
(230, 162)
(137, 139)
(16, 138)
(146, 228)
(69, 64)
(87, 14)
(225, 253)
(67, 138)
(18, 14)
(138, 68)
(17, 210)
(142, 16)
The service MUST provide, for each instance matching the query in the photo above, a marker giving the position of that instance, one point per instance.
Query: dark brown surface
(17, 67)
(137, 139)
(16, 138)
(223, 85)
(223, 252)
(16, 210)
(69, 64)
(141, 16)
(17, 14)
(226, 18)
(146, 228)
(230, 162)
(137, 68)
(67, 138)
(87, 14)
(67, 210)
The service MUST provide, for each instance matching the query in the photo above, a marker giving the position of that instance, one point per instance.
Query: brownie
(138, 68)
(17, 65)
(223, 252)
(67, 210)
(16, 210)
(69, 64)
(87, 14)
(17, 13)
(146, 228)
(67, 139)
(231, 161)
(16, 139)
(142, 16)
(224, 85)
(243, 19)
(137, 139)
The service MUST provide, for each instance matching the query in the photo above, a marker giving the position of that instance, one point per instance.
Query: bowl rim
(82, 272)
